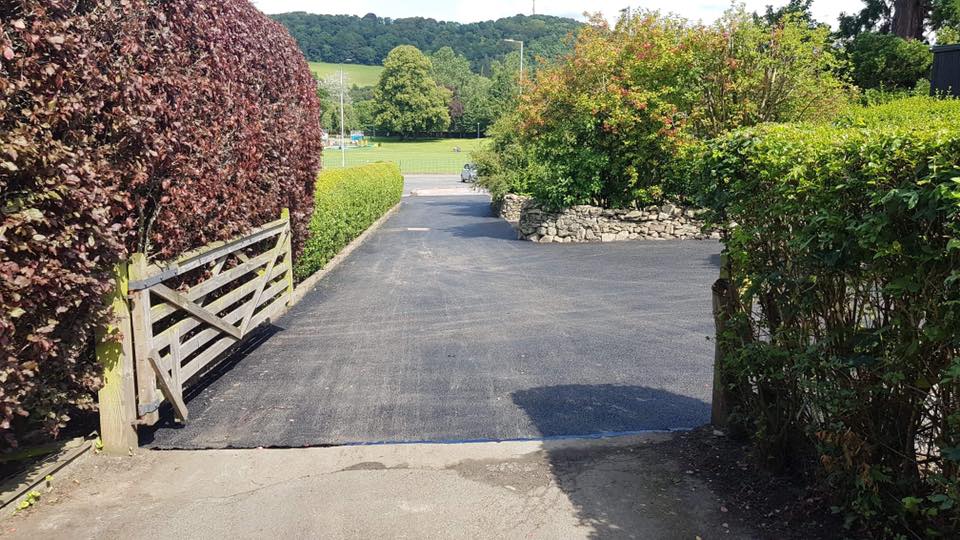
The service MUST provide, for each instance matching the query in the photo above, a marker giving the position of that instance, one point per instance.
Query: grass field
(352, 73)
(425, 156)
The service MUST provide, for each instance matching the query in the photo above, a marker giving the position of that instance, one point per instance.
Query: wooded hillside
(368, 39)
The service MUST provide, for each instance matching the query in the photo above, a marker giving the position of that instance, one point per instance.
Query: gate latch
(148, 408)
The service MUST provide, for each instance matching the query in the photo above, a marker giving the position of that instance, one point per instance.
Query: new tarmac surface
(444, 327)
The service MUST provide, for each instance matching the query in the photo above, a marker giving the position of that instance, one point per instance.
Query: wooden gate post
(147, 399)
(719, 412)
(117, 397)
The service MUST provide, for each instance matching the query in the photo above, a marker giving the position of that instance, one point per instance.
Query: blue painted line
(587, 437)
(591, 436)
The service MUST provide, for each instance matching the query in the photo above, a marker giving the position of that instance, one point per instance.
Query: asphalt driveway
(444, 327)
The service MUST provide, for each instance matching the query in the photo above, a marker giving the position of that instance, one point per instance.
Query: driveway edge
(311, 282)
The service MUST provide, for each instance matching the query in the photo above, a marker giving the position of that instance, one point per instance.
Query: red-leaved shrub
(130, 125)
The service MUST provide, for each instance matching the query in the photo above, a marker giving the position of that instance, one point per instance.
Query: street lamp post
(521, 60)
(343, 146)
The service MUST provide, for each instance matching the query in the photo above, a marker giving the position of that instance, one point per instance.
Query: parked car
(469, 173)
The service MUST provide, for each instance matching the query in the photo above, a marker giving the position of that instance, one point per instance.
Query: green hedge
(347, 202)
(845, 340)
(921, 112)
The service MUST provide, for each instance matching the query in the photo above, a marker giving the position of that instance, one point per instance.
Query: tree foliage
(368, 39)
(843, 343)
(473, 101)
(470, 100)
(130, 126)
(608, 120)
(407, 99)
(328, 92)
(908, 19)
(449, 69)
(745, 72)
(505, 165)
(797, 8)
(888, 61)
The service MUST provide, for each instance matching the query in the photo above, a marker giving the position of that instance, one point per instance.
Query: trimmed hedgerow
(347, 202)
(845, 344)
(918, 112)
(130, 126)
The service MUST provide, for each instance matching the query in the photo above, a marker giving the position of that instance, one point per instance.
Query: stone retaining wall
(510, 206)
(595, 224)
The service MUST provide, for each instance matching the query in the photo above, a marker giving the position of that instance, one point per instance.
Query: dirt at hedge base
(781, 507)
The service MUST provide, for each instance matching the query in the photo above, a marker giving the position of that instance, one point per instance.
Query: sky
(482, 10)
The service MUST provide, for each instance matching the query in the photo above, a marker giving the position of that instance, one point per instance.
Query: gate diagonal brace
(171, 392)
(193, 309)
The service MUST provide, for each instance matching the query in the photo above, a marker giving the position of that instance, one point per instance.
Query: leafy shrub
(605, 121)
(347, 202)
(604, 126)
(745, 72)
(130, 126)
(504, 166)
(880, 96)
(918, 111)
(888, 61)
(845, 263)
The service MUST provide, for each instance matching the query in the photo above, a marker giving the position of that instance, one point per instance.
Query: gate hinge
(148, 408)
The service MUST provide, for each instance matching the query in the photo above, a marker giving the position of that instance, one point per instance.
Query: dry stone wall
(594, 224)
(510, 207)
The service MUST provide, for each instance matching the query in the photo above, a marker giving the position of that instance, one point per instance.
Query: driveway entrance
(444, 327)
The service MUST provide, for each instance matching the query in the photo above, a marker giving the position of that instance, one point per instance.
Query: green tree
(478, 106)
(364, 107)
(368, 39)
(452, 71)
(908, 19)
(408, 100)
(888, 61)
(328, 90)
(505, 76)
(801, 8)
(471, 102)
(946, 21)
(746, 72)
(449, 69)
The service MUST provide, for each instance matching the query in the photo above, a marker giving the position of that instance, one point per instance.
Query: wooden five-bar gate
(170, 333)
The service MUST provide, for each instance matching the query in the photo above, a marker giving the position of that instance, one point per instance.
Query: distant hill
(368, 39)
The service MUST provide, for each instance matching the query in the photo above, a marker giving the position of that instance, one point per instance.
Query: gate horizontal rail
(171, 333)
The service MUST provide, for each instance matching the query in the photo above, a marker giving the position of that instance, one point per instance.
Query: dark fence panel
(945, 77)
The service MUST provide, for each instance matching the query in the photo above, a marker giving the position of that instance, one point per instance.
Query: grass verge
(423, 156)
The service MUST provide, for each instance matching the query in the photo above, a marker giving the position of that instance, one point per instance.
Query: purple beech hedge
(128, 125)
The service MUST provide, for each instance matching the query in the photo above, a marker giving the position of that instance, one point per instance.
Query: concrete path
(444, 327)
(628, 487)
(422, 183)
